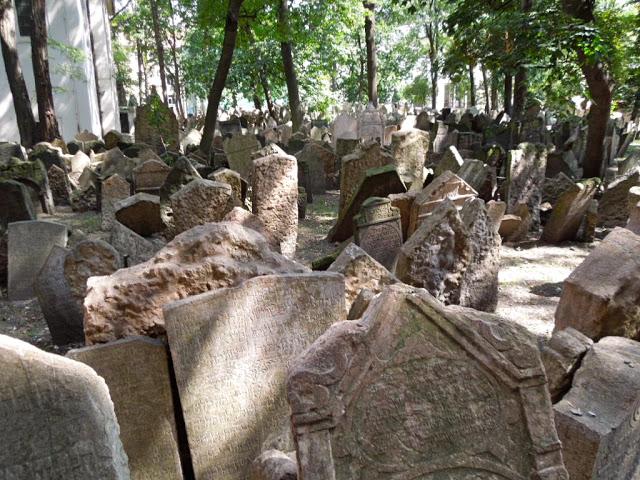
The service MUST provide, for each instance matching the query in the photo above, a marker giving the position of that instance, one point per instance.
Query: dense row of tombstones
(207, 351)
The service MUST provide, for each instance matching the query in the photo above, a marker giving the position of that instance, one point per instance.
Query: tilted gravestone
(15, 203)
(114, 189)
(136, 371)
(238, 150)
(525, 179)
(56, 418)
(417, 390)
(157, 126)
(30, 243)
(379, 230)
(275, 198)
(410, 149)
(150, 176)
(231, 348)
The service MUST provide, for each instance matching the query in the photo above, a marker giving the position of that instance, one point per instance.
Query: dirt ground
(530, 278)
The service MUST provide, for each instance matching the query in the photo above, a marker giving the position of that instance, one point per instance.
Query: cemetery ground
(530, 278)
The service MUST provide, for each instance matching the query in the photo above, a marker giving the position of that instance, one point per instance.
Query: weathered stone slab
(601, 296)
(525, 179)
(60, 185)
(136, 371)
(321, 164)
(451, 161)
(371, 125)
(34, 176)
(345, 126)
(354, 168)
(207, 257)
(150, 176)
(232, 178)
(598, 421)
(274, 465)
(231, 349)
(410, 150)
(56, 418)
(475, 173)
(156, 125)
(140, 213)
(379, 230)
(376, 182)
(200, 201)
(275, 198)
(30, 243)
(15, 203)
(446, 186)
(561, 357)
(133, 248)
(238, 150)
(613, 209)
(361, 271)
(419, 390)
(114, 189)
(568, 212)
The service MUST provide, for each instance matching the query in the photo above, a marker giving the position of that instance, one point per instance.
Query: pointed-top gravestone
(416, 390)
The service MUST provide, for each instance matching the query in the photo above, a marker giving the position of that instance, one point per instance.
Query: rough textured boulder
(200, 201)
(561, 357)
(247, 219)
(140, 213)
(204, 258)
(568, 212)
(360, 271)
(410, 149)
(601, 296)
(15, 203)
(56, 418)
(598, 421)
(613, 209)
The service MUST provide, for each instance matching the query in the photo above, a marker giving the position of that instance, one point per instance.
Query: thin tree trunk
(176, 68)
(140, 72)
(508, 92)
(257, 104)
(220, 79)
(521, 83)
(494, 91)
(372, 61)
(21, 102)
(159, 47)
(48, 123)
(95, 68)
(264, 82)
(472, 86)
(485, 84)
(362, 87)
(286, 50)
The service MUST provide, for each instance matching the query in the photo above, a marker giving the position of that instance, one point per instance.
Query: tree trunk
(141, 88)
(159, 48)
(508, 92)
(362, 87)
(636, 107)
(257, 104)
(494, 91)
(267, 93)
(372, 61)
(286, 49)
(21, 102)
(485, 84)
(176, 68)
(48, 124)
(472, 86)
(521, 86)
(220, 79)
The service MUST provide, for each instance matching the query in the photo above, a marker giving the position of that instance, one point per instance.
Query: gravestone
(446, 186)
(613, 209)
(15, 203)
(355, 166)
(200, 201)
(133, 248)
(34, 176)
(114, 189)
(476, 174)
(469, 141)
(410, 149)
(238, 150)
(56, 418)
(60, 309)
(136, 371)
(377, 182)
(321, 163)
(232, 178)
(569, 211)
(417, 390)
(371, 125)
(440, 138)
(156, 125)
(30, 243)
(598, 420)
(150, 176)
(601, 296)
(140, 213)
(525, 179)
(231, 349)
(379, 230)
(345, 126)
(275, 198)
(451, 161)
(60, 186)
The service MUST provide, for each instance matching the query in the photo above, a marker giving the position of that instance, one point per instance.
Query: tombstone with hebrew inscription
(379, 230)
(371, 124)
(136, 370)
(416, 390)
(231, 348)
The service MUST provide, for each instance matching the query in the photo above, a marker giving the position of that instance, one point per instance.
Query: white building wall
(73, 80)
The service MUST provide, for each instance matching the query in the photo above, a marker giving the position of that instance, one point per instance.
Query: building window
(25, 18)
